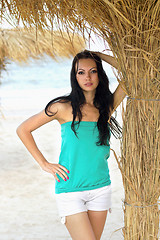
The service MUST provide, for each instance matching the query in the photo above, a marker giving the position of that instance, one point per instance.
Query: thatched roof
(20, 44)
(130, 27)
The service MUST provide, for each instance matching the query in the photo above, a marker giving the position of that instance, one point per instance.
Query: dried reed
(20, 44)
(132, 30)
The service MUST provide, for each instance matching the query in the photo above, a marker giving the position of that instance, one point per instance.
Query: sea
(41, 73)
(26, 88)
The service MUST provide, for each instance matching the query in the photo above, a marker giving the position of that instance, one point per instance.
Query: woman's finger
(62, 174)
(57, 169)
(55, 176)
(65, 169)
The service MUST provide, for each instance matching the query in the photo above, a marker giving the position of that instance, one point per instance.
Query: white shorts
(75, 202)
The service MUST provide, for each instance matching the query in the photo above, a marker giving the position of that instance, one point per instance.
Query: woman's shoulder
(62, 109)
(60, 105)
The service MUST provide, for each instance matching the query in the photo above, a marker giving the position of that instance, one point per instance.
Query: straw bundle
(20, 44)
(132, 30)
(2, 65)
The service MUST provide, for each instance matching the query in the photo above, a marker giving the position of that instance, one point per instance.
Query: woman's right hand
(56, 170)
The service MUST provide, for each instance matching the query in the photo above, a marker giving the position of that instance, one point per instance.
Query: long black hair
(103, 100)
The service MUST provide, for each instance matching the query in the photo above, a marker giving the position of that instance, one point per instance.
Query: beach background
(27, 206)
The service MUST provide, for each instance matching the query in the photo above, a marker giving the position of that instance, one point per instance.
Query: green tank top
(86, 161)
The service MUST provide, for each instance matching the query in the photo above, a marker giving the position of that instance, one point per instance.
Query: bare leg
(79, 227)
(97, 220)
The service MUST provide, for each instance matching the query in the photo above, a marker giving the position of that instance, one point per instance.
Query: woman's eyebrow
(80, 69)
(84, 69)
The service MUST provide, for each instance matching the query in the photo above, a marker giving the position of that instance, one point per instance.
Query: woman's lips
(88, 84)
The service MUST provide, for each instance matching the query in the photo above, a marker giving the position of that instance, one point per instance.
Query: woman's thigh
(79, 226)
(97, 220)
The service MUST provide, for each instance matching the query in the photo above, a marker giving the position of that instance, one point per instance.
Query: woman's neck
(89, 97)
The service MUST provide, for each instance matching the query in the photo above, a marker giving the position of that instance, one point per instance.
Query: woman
(83, 186)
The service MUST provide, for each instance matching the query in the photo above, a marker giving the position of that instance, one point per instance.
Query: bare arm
(24, 132)
(119, 93)
(107, 58)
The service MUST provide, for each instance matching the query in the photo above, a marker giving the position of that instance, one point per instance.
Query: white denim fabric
(75, 202)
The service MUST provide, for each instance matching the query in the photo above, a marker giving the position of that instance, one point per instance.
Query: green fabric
(86, 161)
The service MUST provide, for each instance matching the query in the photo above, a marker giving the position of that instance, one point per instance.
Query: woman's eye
(94, 71)
(80, 72)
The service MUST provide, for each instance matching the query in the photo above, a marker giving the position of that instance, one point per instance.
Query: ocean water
(26, 89)
(36, 74)
(44, 73)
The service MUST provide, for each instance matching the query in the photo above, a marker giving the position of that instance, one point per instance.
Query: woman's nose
(88, 76)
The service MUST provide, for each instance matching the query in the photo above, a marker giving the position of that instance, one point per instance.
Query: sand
(27, 206)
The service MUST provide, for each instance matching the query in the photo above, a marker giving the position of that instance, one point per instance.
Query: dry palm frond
(20, 44)
(2, 64)
(132, 30)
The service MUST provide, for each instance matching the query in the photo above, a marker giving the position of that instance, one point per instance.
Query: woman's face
(87, 74)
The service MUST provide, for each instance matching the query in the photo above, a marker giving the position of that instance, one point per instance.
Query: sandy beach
(27, 208)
